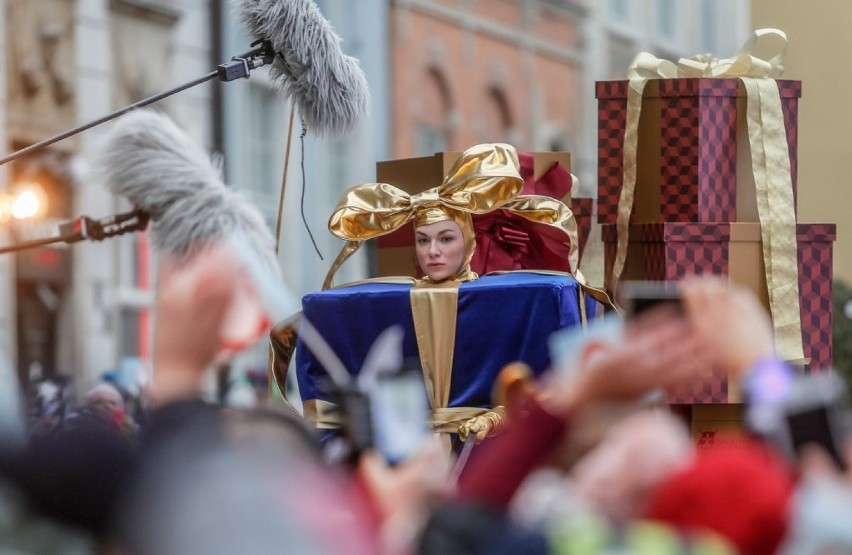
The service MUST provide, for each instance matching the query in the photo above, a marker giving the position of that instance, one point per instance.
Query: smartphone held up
(639, 297)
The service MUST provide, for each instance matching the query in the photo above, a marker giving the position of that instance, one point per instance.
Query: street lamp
(25, 205)
(27, 201)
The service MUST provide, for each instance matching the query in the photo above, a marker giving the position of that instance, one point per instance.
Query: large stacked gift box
(697, 175)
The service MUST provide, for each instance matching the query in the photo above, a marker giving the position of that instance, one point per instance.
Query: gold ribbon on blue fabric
(770, 165)
(434, 309)
(324, 415)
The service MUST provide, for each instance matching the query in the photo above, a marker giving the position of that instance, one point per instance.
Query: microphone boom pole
(238, 68)
(84, 227)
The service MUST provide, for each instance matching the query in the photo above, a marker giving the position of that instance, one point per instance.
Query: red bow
(505, 241)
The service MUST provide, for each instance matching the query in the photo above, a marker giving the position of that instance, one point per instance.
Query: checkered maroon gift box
(692, 161)
(670, 251)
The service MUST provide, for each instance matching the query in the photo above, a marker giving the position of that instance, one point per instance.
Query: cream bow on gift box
(770, 165)
(743, 64)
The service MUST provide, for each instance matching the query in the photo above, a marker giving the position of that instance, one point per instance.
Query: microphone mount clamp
(241, 66)
(84, 227)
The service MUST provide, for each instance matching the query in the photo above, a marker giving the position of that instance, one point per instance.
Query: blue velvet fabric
(501, 319)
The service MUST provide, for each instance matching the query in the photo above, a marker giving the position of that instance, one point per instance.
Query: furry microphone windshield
(328, 87)
(162, 171)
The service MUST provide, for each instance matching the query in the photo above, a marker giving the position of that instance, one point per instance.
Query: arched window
(433, 122)
(497, 122)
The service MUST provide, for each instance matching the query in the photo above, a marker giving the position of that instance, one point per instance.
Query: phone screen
(566, 346)
(816, 425)
(638, 297)
(399, 411)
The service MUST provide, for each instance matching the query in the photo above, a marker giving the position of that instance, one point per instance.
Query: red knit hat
(741, 490)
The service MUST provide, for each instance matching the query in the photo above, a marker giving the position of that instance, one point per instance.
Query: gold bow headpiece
(486, 177)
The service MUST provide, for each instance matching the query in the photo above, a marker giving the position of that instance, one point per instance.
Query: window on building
(268, 122)
(498, 123)
(430, 139)
(134, 261)
(135, 271)
(433, 120)
(134, 322)
(709, 26)
(667, 16)
(618, 10)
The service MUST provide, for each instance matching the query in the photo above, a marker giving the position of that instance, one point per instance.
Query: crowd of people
(586, 464)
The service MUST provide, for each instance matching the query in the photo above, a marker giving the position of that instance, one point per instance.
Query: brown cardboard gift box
(669, 251)
(693, 159)
(714, 426)
(396, 250)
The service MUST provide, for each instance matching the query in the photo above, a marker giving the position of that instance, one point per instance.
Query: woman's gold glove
(484, 425)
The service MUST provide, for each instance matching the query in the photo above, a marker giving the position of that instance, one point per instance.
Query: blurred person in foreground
(822, 507)
(727, 501)
(209, 481)
(253, 481)
(741, 490)
(201, 480)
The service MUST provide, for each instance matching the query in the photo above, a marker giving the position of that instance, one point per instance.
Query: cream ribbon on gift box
(770, 165)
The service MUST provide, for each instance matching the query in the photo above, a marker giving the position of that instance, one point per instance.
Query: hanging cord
(284, 179)
(305, 220)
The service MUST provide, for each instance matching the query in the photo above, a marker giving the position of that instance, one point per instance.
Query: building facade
(80, 310)
(815, 39)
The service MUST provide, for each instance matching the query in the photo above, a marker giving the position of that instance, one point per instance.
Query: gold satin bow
(486, 177)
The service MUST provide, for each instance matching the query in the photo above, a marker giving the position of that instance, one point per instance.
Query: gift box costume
(463, 330)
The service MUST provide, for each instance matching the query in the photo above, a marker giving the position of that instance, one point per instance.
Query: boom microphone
(163, 172)
(329, 87)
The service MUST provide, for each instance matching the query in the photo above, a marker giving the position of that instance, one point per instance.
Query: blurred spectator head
(104, 400)
(741, 491)
(618, 476)
(249, 482)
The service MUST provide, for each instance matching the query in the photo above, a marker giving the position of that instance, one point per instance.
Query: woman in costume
(442, 251)
(485, 178)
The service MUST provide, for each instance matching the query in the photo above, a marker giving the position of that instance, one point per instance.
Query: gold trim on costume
(326, 416)
(481, 180)
(322, 414)
(434, 309)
